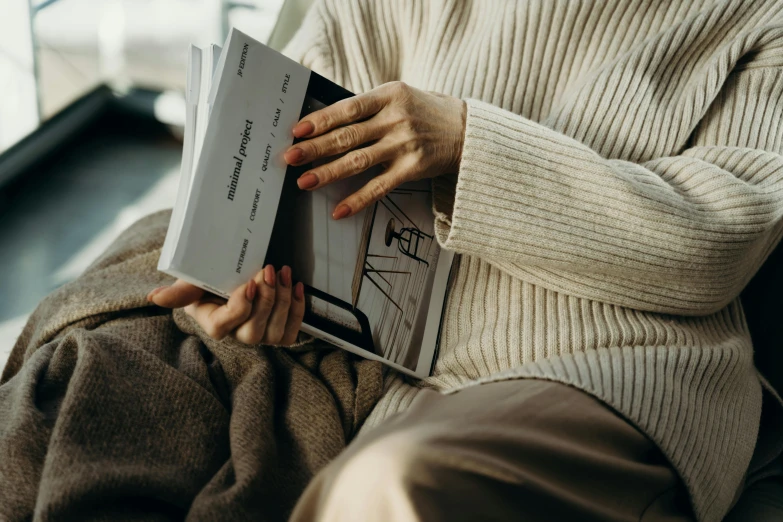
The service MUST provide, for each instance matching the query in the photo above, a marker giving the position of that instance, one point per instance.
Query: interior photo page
(368, 278)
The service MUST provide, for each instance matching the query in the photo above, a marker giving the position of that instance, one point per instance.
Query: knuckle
(346, 138)
(320, 121)
(354, 109)
(311, 148)
(360, 160)
(327, 121)
(267, 300)
(377, 189)
(284, 297)
(399, 87)
(324, 173)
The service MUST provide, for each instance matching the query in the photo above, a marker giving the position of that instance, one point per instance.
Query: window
(52, 52)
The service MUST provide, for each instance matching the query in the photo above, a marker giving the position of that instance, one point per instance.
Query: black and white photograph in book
(368, 278)
(395, 269)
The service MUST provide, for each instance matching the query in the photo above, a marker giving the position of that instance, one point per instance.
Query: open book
(375, 283)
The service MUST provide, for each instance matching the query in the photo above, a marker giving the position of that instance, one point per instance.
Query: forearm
(680, 234)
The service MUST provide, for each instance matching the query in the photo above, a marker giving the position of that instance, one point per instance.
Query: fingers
(278, 311)
(218, 320)
(336, 142)
(355, 162)
(252, 331)
(374, 190)
(175, 296)
(341, 113)
(275, 327)
(266, 309)
(295, 316)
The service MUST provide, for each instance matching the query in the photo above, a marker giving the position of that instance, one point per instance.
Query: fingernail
(269, 275)
(302, 129)
(294, 155)
(341, 211)
(285, 276)
(307, 181)
(154, 293)
(299, 291)
(250, 291)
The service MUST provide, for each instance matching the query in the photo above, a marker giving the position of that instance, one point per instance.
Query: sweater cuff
(491, 206)
(460, 202)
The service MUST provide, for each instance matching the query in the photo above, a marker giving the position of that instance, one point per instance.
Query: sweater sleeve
(311, 46)
(681, 234)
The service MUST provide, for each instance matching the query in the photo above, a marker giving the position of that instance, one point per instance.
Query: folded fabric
(111, 408)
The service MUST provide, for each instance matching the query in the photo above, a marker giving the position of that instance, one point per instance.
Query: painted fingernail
(269, 275)
(341, 211)
(155, 292)
(285, 276)
(250, 291)
(307, 181)
(303, 128)
(299, 291)
(293, 156)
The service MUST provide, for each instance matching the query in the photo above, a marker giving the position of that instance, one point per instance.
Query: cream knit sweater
(621, 181)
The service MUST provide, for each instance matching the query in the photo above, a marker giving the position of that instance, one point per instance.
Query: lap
(496, 452)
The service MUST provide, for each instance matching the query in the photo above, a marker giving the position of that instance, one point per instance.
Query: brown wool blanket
(114, 409)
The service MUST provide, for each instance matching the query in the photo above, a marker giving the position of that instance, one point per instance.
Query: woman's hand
(264, 310)
(413, 134)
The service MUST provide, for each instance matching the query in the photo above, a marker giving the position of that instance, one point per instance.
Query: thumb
(178, 295)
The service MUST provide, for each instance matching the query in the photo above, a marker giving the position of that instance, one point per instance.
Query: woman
(611, 177)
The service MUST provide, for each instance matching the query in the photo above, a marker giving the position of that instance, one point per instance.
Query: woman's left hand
(413, 134)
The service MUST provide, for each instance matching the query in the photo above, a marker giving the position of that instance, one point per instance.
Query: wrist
(461, 109)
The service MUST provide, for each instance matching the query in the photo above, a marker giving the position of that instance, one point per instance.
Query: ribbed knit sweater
(621, 182)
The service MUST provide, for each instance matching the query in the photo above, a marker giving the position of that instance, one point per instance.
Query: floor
(59, 218)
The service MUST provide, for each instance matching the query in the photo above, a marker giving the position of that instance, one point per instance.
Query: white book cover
(375, 283)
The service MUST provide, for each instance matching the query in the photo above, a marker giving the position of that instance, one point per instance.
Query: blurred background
(91, 115)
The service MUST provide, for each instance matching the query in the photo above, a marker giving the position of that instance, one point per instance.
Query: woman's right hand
(268, 309)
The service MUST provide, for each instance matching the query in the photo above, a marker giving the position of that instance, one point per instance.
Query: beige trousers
(515, 450)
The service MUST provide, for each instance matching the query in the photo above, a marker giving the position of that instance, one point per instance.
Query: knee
(379, 481)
